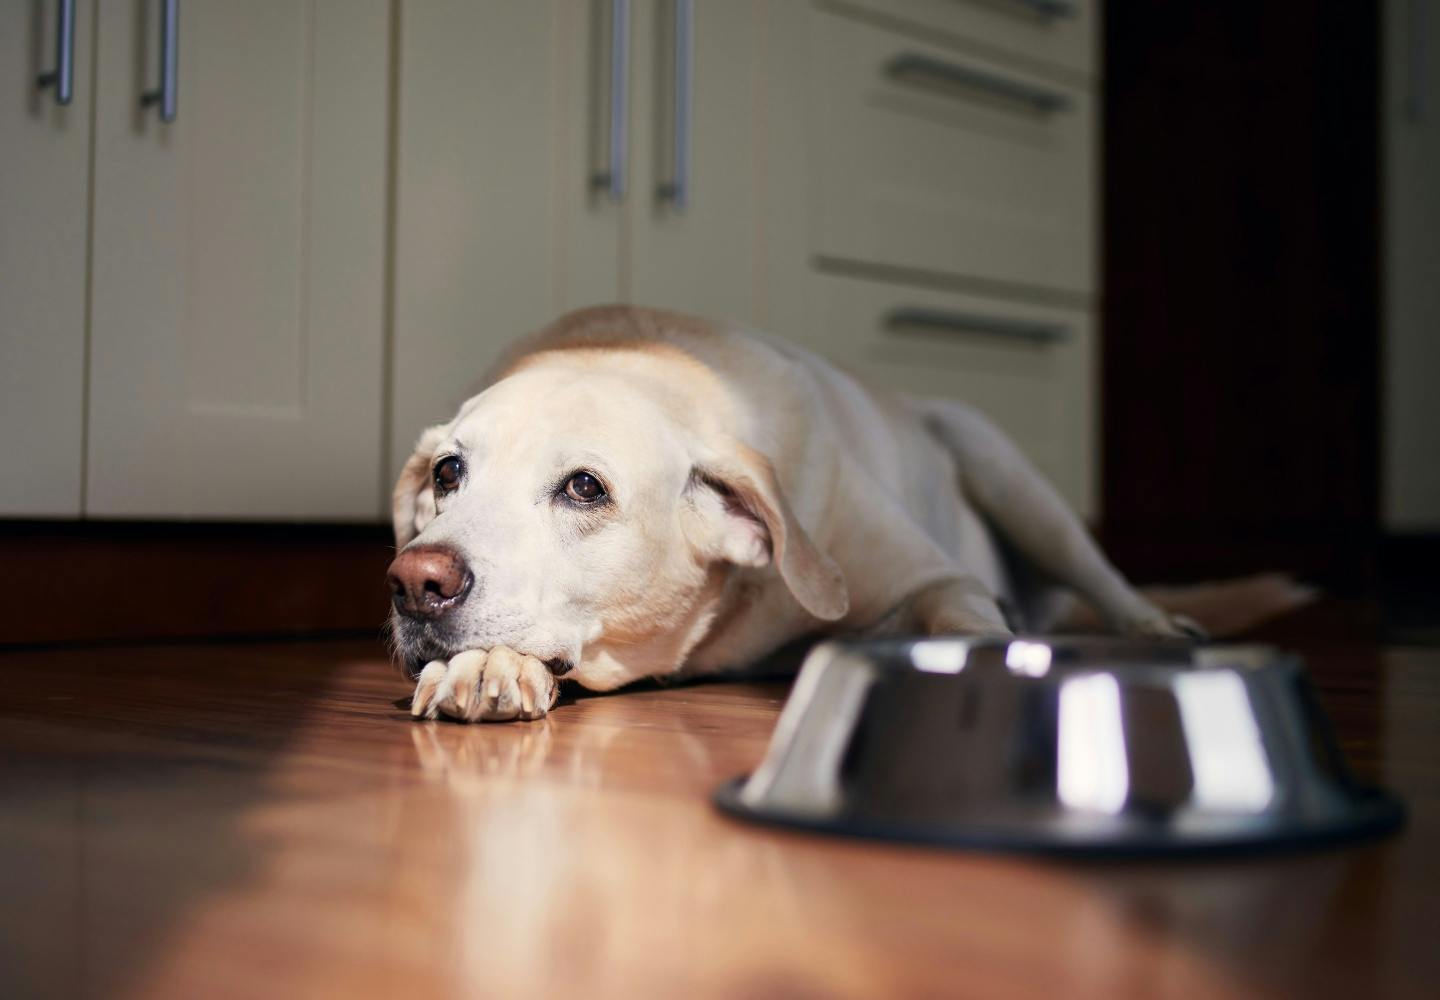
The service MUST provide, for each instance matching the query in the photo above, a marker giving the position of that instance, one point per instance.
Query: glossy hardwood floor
(265, 820)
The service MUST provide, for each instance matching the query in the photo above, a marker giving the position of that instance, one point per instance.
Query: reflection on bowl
(1066, 745)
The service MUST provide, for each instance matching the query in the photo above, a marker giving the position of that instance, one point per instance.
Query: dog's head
(587, 502)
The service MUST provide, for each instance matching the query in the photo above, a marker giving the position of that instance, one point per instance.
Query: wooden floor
(265, 820)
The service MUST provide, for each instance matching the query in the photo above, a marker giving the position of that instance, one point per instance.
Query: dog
(643, 494)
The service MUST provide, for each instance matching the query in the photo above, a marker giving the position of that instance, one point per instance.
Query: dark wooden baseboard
(104, 581)
(98, 581)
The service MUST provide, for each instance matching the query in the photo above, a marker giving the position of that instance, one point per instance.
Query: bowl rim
(1133, 661)
(1373, 812)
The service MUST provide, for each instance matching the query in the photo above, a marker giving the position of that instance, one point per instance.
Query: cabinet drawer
(1030, 368)
(940, 162)
(1058, 33)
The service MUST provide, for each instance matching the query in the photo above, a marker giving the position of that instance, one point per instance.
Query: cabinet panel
(44, 197)
(591, 262)
(480, 134)
(702, 257)
(501, 222)
(236, 332)
(937, 161)
(787, 281)
(1029, 368)
(1410, 483)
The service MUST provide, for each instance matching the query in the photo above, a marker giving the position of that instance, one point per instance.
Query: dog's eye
(583, 487)
(447, 474)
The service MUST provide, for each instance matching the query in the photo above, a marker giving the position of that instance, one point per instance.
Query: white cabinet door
(481, 134)
(238, 264)
(595, 54)
(702, 256)
(44, 197)
(508, 115)
(505, 120)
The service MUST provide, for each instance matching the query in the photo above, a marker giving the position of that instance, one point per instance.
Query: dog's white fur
(757, 494)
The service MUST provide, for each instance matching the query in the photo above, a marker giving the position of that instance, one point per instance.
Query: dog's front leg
(485, 686)
(956, 606)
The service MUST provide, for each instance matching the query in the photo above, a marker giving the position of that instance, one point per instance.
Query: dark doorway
(1241, 289)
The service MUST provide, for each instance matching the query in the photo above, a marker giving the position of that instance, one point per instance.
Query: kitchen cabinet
(194, 281)
(539, 152)
(44, 198)
(929, 207)
(252, 310)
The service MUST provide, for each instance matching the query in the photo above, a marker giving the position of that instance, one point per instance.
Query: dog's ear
(412, 505)
(738, 495)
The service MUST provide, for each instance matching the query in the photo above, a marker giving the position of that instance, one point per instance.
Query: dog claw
(425, 687)
(477, 685)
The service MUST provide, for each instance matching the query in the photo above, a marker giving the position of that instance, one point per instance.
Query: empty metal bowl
(1072, 746)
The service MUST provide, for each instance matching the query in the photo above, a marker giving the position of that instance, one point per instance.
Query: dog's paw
(481, 686)
(1165, 626)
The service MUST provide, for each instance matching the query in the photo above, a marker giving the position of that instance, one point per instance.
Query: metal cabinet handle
(1416, 61)
(944, 320)
(677, 189)
(612, 178)
(921, 70)
(165, 96)
(1049, 8)
(62, 77)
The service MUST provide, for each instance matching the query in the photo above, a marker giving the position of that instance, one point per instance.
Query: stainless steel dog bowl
(1072, 746)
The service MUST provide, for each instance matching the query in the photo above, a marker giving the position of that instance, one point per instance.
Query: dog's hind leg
(1018, 501)
(901, 581)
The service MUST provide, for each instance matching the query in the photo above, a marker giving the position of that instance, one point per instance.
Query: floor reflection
(274, 825)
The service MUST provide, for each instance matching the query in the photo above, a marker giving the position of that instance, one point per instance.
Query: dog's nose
(428, 580)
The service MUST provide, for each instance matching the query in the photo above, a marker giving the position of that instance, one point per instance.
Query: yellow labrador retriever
(639, 493)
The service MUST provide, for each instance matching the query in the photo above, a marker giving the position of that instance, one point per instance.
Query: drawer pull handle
(165, 95)
(921, 70)
(1049, 8)
(612, 178)
(943, 320)
(677, 189)
(62, 77)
